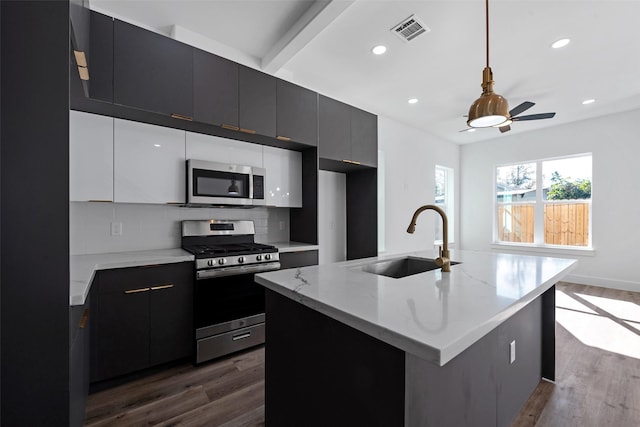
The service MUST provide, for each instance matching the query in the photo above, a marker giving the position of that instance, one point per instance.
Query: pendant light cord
(487, 29)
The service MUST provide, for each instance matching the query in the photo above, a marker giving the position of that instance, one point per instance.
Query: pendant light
(491, 109)
(233, 188)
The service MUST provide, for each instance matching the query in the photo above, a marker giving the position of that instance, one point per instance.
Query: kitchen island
(348, 347)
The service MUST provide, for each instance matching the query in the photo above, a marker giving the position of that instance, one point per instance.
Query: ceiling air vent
(410, 28)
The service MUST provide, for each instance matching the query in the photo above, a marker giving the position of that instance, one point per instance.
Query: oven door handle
(230, 271)
(241, 336)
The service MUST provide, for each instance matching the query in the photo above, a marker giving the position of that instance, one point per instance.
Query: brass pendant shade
(490, 109)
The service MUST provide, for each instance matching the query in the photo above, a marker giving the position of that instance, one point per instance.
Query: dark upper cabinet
(334, 129)
(257, 92)
(80, 40)
(142, 317)
(151, 72)
(297, 113)
(364, 137)
(101, 57)
(346, 134)
(215, 90)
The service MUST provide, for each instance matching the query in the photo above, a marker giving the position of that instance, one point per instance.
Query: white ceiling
(326, 46)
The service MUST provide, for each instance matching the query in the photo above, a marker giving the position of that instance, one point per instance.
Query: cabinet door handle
(81, 58)
(83, 72)
(136, 291)
(353, 162)
(247, 130)
(230, 127)
(181, 117)
(283, 138)
(241, 336)
(157, 288)
(100, 201)
(85, 317)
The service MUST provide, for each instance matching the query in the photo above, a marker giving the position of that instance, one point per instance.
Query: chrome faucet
(443, 260)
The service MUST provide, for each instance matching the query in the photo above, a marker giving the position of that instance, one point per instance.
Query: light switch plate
(116, 229)
(512, 351)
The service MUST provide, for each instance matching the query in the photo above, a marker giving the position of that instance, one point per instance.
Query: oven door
(229, 315)
(226, 303)
(219, 183)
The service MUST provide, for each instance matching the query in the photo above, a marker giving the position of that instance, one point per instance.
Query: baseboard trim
(623, 285)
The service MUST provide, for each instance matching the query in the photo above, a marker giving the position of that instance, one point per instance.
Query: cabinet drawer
(298, 259)
(138, 279)
(222, 344)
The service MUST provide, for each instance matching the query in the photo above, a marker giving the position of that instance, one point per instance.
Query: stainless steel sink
(402, 267)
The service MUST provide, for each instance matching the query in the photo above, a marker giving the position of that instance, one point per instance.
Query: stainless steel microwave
(212, 183)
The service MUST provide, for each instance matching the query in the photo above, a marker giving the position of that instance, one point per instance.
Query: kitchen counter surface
(83, 267)
(432, 315)
(294, 246)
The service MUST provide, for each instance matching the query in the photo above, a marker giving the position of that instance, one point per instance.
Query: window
(444, 193)
(546, 202)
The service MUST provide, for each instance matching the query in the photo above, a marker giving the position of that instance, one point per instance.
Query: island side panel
(460, 393)
(320, 372)
(481, 386)
(549, 334)
(517, 380)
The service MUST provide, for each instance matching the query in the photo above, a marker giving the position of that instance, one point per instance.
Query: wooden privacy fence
(564, 223)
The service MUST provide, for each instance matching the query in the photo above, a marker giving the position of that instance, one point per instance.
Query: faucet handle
(440, 251)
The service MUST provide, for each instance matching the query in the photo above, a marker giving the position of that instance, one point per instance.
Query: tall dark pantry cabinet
(34, 213)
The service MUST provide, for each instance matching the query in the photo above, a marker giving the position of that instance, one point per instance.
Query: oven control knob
(258, 257)
(210, 263)
(241, 260)
(267, 257)
(222, 261)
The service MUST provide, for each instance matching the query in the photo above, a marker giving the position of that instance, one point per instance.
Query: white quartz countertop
(433, 315)
(83, 267)
(294, 246)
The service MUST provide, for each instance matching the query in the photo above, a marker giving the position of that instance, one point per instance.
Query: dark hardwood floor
(597, 372)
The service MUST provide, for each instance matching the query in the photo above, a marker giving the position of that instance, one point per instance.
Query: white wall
(613, 140)
(332, 217)
(410, 156)
(146, 226)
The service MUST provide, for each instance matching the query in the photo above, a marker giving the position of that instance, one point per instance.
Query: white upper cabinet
(223, 150)
(90, 157)
(149, 163)
(283, 186)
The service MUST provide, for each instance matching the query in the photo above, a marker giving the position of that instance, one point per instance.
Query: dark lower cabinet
(142, 317)
(298, 259)
(257, 92)
(78, 363)
(151, 72)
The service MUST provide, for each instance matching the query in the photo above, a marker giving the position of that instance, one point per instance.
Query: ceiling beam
(313, 22)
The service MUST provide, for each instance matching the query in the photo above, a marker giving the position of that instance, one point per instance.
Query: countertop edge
(83, 267)
(439, 356)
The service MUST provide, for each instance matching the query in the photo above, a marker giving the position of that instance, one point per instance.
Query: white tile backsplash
(148, 227)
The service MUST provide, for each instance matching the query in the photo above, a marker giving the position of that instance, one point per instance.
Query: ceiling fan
(491, 109)
(514, 117)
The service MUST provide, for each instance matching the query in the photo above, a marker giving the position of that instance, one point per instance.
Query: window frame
(449, 203)
(539, 204)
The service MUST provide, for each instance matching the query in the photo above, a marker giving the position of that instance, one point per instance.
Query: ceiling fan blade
(534, 117)
(504, 129)
(521, 108)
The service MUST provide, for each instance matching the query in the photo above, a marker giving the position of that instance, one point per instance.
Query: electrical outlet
(281, 225)
(116, 229)
(512, 351)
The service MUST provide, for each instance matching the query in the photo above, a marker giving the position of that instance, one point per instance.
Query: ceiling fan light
(489, 110)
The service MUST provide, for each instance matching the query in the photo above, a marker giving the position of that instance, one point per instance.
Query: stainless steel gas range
(228, 304)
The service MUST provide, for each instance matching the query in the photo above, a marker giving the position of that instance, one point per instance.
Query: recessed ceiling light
(413, 101)
(379, 50)
(588, 101)
(157, 145)
(560, 43)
